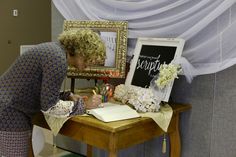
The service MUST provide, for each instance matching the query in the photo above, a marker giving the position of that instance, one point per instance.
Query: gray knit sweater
(32, 84)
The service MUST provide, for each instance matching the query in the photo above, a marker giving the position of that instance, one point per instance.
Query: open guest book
(113, 112)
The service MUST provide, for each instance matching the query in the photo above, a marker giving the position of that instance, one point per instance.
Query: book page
(113, 112)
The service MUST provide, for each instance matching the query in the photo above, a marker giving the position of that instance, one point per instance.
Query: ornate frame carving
(120, 28)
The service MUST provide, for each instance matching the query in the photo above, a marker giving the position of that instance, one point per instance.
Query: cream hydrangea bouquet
(142, 99)
(164, 79)
(167, 74)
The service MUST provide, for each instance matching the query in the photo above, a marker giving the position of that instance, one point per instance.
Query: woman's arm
(76, 107)
(54, 68)
(66, 108)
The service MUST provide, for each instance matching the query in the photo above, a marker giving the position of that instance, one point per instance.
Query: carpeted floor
(72, 155)
(50, 151)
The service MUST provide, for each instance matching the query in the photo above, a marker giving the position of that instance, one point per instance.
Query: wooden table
(117, 135)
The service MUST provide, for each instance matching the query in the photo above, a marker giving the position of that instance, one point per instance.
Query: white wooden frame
(158, 42)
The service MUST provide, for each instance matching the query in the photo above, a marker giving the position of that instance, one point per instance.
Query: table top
(117, 135)
(110, 126)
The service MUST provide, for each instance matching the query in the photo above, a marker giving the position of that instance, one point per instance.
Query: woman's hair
(84, 42)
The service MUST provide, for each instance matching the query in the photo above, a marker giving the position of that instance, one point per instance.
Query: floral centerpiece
(142, 99)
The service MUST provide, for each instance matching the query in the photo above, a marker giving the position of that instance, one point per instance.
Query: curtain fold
(208, 26)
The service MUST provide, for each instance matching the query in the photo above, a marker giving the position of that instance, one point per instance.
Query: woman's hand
(93, 101)
(75, 97)
(90, 102)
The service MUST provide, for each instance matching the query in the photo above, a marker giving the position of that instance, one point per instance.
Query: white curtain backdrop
(208, 26)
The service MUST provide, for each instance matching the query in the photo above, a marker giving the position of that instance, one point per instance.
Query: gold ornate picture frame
(114, 35)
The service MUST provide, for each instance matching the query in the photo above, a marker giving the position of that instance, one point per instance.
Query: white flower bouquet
(142, 99)
(167, 74)
(160, 83)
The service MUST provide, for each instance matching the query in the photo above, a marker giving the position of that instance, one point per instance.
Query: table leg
(112, 146)
(175, 144)
(113, 153)
(89, 150)
(72, 86)
(31, 152)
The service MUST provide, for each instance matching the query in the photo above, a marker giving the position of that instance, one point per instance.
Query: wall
(31, 26)
(208, 130)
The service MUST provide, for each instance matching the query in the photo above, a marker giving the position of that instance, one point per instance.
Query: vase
(159, 93)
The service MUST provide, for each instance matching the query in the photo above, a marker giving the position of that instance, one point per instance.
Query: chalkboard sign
(149, 54)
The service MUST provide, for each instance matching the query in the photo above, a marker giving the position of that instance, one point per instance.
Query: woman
(33, 83)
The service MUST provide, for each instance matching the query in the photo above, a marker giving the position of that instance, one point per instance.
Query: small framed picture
(149, 54)
(23, 48)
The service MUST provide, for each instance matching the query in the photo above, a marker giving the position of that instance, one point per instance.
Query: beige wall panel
(31, 26)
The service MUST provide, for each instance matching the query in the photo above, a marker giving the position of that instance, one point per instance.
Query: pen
(94, 92)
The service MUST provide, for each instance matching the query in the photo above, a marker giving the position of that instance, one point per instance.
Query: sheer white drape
(208, 26)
